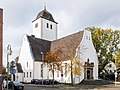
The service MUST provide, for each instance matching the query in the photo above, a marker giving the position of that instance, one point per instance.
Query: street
(29, 87)
(37, 87)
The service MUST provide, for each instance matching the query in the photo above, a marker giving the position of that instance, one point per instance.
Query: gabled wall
(26, 59)
(87, 51)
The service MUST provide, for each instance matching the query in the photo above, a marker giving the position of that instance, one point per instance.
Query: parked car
(49, 82)
(55, 82)
(14, 85)
(35, 81)
(46, 82)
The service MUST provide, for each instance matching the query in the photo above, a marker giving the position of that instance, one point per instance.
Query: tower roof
(46, 15)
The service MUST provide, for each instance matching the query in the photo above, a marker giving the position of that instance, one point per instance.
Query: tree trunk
(53, 75)
(71, 74)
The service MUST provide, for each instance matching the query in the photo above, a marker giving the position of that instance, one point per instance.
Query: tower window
(47, 25)
(36, 25)
(51, 26)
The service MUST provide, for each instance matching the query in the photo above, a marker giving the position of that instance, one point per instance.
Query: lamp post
(42, 65)
(9, 52)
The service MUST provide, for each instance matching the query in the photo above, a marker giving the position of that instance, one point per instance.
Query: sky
(71, 15)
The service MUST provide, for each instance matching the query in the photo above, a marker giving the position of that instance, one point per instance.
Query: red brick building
(1, 45)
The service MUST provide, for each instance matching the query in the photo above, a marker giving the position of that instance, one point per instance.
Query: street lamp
(9, 52)
(42, 65)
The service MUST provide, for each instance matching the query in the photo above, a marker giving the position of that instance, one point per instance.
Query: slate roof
(40, 45)
(46, 15)
(19, 68)
(37, 46)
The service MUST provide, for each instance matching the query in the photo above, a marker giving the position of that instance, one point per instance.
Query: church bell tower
(44, 26)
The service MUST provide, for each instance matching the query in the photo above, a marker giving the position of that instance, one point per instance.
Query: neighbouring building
(110, 68)
(43, 39)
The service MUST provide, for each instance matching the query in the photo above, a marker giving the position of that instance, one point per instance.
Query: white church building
(44, 39)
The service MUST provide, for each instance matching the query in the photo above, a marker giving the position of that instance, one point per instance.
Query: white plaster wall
(26, 57)
(37, 71)
(45, 72)
(19, 77)
(37, 31)
(43, 32)
(64, 79)
(87, 50)
(47, 33)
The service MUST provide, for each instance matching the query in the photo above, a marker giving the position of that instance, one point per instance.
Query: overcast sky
(71, 15)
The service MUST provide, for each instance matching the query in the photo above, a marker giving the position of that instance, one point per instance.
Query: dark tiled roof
(38, 46)
(46, 15)
(19, 68)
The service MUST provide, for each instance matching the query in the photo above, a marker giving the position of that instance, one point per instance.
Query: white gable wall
(87, 51)
(26, 59)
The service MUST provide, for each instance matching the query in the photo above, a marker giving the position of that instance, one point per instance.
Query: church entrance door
(88, 74)
(88, 70)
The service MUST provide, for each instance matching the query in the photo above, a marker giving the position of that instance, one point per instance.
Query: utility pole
(1, 45)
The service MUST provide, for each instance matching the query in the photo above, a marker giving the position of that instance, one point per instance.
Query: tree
(117, 58)
(106, 44)
(12, 69)
(4, 73)
(53, 59)
(71, 53)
